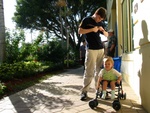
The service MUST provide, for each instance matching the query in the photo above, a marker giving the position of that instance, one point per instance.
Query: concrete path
(61, 94)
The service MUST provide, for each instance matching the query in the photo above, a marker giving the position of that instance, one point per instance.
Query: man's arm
(112, 46)
(94, 29)
(84, 31)
(113, 41)
(105, 33)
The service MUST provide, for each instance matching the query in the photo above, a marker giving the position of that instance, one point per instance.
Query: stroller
(120, 93)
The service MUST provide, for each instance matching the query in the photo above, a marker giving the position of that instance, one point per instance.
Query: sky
(9, 9)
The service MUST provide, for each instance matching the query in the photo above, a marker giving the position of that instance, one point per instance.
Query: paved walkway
(61, 94)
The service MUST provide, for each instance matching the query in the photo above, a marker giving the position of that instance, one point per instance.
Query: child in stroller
(108, 76)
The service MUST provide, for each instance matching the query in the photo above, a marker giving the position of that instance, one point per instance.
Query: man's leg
(88, 73)
(99, 62)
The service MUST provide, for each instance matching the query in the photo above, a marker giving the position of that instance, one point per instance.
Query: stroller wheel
(100, 95)
(120, 96)
(93, 103)
(116, 105)
(124, 96)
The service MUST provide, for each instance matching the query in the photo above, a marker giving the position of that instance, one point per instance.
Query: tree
(2, 33)
(49, 15)
(13, 40)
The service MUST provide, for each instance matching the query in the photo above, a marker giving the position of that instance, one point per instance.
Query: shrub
(2, 88)
(18, 70)
(26, 69)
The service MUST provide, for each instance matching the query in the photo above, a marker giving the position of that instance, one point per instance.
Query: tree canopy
(55, 16)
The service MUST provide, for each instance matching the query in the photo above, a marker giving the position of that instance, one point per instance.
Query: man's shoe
(83, 96)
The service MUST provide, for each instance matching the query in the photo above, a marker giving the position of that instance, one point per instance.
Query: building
(131, 22)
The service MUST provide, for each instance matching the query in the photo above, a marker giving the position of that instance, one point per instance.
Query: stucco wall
(141, 38)
(136, 72)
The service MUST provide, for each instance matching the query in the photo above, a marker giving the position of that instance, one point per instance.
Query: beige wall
(119, 25)
(109, 7)
(136, 63)
(111, 15)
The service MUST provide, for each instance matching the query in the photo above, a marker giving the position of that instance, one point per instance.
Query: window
(131, 25)
(127, 26)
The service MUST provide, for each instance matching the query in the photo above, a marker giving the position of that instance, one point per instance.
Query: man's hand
(101, 29)
(95, 29)
(104, 32)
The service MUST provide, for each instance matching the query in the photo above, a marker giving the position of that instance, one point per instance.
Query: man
(112, 41)
(95, 52)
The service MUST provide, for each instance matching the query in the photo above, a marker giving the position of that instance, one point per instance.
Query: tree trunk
(2, 33)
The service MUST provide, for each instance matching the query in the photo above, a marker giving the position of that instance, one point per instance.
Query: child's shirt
(109, 75)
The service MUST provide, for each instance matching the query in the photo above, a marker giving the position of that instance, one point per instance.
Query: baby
(108, 75)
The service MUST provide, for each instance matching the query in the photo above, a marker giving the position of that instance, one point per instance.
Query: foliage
(18, 70)
(53, 16)
(52, 51)
(21, 70)
(41, 49)
(72, 63)
(2, 88)
(13, 40)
